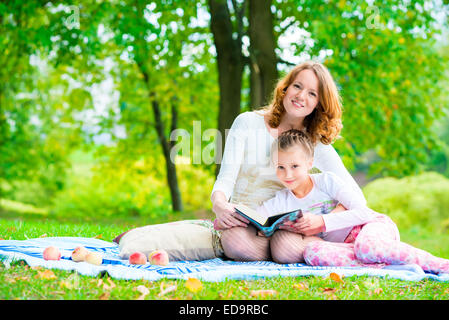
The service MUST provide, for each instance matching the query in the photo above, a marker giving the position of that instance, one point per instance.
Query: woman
(306, 98)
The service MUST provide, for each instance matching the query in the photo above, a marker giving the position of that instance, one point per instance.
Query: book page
(253, 214)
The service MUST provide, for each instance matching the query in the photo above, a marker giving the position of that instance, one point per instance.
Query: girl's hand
(339, 208)
(226, 216)
(309, 224)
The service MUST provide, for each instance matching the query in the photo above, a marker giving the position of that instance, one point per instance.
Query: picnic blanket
(214, 270)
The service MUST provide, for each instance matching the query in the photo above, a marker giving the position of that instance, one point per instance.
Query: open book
(268, 225)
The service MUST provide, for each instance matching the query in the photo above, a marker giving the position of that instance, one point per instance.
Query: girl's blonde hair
(295, 138)
(324, 123)
(292, 138)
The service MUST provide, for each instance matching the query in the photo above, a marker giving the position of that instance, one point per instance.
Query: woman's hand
(226, 215)
(309, 224)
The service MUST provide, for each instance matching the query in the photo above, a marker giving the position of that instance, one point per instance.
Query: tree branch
(279, 60)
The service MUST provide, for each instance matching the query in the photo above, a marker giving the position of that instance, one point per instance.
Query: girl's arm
(356, 212)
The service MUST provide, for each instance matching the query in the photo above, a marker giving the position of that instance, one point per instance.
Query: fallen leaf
(46, 275)
(329, 290)
(99, 236)
(105, 296)
(65, 284)
(335, 277)
(263, 293)
(43, 235)
(144, 292)
(227, 296)
(110, 286)
(23, 278)
(164, 291)
(300, 286)
(10, 280)
(194, 285)
(106, 286)
(378, 291)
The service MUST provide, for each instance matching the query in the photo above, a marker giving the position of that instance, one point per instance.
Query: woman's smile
(297, 104)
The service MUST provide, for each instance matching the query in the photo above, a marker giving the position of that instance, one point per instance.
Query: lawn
(19, 281)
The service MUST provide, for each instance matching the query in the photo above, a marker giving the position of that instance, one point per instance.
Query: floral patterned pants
(374, 244)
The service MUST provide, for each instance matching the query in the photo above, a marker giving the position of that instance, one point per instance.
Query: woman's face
(301, 96)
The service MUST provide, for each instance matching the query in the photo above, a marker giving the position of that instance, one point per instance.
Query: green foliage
(37, 128)
(196, 186)
(384, 57)
(419, 201)
(125, 188)
(386, 61)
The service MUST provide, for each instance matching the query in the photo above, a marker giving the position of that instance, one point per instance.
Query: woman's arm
(233, 155)
(327, 159)
(232, 160)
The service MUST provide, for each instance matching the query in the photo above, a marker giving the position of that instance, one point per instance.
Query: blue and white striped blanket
(209, 270)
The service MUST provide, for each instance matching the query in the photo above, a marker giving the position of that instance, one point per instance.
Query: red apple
(94, 258)
(158, 257)
(52, 253)
(137, 258)
(79, 254)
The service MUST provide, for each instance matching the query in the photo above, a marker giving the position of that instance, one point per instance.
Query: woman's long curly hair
(324, 123)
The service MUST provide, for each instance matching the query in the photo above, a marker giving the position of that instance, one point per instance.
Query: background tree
(33, 143)
(152, 51)
(384, 59)
(164, 65)
(263, 58)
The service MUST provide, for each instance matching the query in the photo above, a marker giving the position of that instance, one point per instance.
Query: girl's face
(301, 96)
(292, 167)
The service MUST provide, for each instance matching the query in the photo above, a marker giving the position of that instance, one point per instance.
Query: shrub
(415, 201)
(131, 190)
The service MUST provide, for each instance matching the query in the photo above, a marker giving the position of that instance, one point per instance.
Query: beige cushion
(183, 240)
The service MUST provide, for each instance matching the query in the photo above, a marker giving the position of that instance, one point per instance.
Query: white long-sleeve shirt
(328, 190)
(246, 175)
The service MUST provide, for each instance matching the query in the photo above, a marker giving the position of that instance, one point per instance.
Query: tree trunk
(230, 63)
(172, 177)
(262, 53)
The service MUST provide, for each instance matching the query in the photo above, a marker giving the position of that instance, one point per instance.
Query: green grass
(19, 281)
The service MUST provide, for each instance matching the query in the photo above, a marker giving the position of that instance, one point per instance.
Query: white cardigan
(246, 175)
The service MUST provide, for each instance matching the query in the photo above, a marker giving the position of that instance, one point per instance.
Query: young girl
(306, 99)
(355, 237)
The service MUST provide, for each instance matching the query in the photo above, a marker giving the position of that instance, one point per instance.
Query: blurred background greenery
(91, 90)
